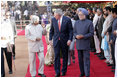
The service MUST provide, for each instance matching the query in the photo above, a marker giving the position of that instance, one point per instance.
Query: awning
(86, 1)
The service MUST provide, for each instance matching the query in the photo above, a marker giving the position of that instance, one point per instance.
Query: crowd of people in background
(102, 42)
(20, 9)
(105, 26)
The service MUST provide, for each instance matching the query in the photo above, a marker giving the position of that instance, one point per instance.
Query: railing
(22, 23)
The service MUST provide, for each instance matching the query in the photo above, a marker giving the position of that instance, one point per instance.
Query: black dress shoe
(82, 75)
(102, 58)
(10, 72)
(2, 75)
(113, 71)
(57, 75)
(73, 59)
(110, 65)
(42, 75)
(99, 55)
(87, 76)
(96, 53)
(93, 50)
(63, 74)
(113, 67)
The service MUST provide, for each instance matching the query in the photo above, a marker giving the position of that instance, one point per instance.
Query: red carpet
(98, 67)
(20, 32)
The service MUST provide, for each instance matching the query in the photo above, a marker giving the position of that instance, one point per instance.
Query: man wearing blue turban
(83, 10)
(83, 30)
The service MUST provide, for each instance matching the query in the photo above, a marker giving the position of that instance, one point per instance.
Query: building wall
(43, 9)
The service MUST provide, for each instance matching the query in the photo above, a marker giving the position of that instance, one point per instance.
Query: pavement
(22, 59)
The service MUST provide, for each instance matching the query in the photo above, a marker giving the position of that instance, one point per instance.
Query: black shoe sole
(109, 65)
(42, 75)
(63, 74)
(82, 75)
(57, 75)
(10, 72)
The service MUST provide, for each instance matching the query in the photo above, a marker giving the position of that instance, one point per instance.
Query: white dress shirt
(60, 20)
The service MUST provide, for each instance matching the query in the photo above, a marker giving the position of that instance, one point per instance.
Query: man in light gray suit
(83, 30)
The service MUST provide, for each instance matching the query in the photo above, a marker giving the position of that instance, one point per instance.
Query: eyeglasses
(80, 14)
(7, 15)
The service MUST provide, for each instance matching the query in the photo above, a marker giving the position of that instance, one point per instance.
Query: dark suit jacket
(111, 30)
(100, 26)
(85, 28)
(65, 34)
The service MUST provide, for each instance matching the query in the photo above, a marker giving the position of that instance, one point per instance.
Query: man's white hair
(8, 13)
(59, 11)
(34, 18)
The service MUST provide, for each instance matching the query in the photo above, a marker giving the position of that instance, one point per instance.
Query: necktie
(59, 24)
(13, 13)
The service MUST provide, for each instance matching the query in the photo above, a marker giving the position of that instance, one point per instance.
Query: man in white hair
(7, 35)
(33, 33)
(62, 33)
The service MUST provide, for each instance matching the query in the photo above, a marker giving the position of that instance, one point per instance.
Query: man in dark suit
(61, 32)
(83, 31)
(98, 29)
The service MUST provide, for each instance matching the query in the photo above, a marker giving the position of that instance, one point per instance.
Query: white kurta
(7, 33)
(107, 23)
(104, 45)
(97, 42)
(95, 19)
(32, 32)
